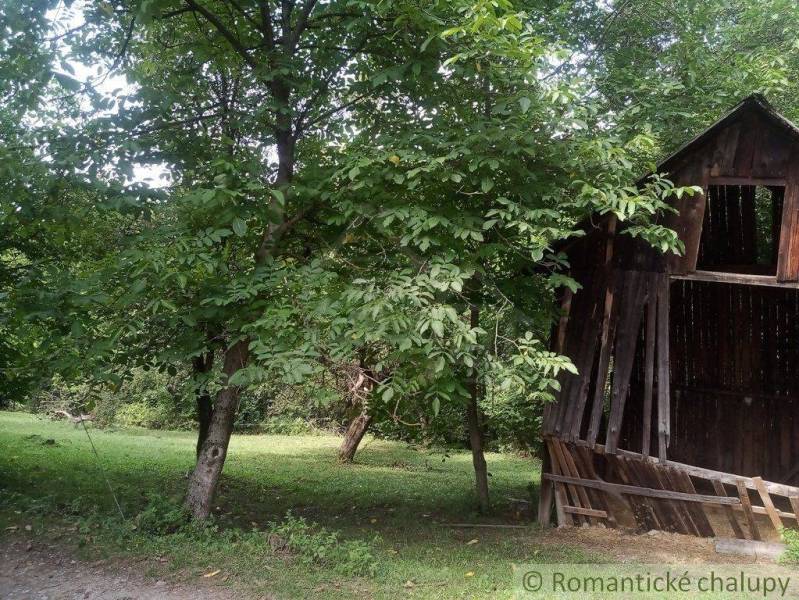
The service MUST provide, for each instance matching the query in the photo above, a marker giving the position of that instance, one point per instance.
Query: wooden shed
(685, 413)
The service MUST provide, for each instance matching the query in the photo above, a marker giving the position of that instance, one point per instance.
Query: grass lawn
(395, 499)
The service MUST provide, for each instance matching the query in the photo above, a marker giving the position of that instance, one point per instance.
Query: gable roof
(754, 103)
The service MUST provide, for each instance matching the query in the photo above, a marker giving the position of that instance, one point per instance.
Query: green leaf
(524, 102)
(239, 227)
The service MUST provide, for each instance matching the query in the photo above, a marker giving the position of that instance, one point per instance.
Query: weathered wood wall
(703, 372)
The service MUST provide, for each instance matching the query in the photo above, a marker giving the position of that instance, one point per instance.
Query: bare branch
(223, 31)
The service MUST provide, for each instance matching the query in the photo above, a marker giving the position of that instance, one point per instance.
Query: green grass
(394, 498)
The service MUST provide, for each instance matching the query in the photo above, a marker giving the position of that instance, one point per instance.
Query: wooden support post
(664, 393)
(718, 487)
(743, 494)
(767, 503)
(795, 507)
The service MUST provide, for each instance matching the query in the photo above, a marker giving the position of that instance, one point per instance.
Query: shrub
(161, 516)
(316, 545)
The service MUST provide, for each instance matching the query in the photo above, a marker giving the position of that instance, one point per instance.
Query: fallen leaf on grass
(470, 574)
(409, 584)
(473, 542)
(213, 573)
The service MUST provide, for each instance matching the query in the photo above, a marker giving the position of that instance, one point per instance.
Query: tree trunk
(476, 431)
(353, 436)
(211, 458)
(205, 407)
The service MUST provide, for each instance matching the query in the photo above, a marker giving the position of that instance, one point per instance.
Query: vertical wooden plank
(697, 513)
(605, 340)
(788, 256)
(551, 409)
(664, 392)
(767, 503)
(605, 350)
(743, 494)
(649, 369)
(630, 315)
(736, 528)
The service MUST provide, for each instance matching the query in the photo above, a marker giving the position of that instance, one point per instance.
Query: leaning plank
(561, 498)
(570, 469)
(631, 305)
(743, 493)
(605, 339)
(697, 513)
(718, 487)
(773, 488)
(795, 506)
(640, 491)
(759, 510)
(768, 504)
(588, 512)
(584, 460)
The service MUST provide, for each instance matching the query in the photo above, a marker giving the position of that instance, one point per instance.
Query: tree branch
(223, 31)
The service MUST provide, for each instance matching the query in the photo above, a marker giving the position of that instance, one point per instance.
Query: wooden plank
(736, 278)
(663, 391)
(765, 181)
(551, 409)
(649, 371)
(743, 494)
(666, 510)
(697, 513)
(645, 509)
(588, 512)
(768, 504)
(773, 488)
(795, 507)
(560, 502)
(685, 522)
(568, 465)
(639, 491)
(558, 469)
(788, 256)
(631, 305)
(573, 395)
(546, 494)
(718, 487)
(585, 464)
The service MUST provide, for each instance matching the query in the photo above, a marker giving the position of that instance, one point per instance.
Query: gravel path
(35, 572)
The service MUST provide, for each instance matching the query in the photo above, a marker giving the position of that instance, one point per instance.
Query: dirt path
(37, 572)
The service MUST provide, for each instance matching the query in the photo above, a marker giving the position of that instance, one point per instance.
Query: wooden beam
(765, 181)
(642, 491)
(718, 487)
(795, 506)
(588, 512)
(768, 504)
(773, 488)
(743, 494)
(736, 278)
